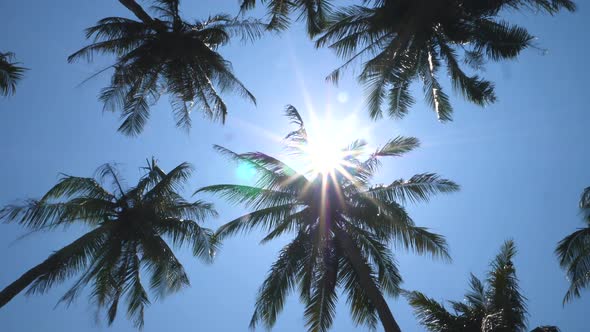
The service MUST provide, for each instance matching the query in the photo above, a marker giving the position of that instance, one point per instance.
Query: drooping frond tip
(10, 73)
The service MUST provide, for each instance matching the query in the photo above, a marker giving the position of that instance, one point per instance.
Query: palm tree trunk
(53, 262)
(136, 9)
(364, 274)
(25, 280)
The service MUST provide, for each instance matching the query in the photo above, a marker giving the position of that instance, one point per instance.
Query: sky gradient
(521, 163)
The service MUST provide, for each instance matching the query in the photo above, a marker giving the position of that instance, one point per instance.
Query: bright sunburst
(324, 155)
(325, 152)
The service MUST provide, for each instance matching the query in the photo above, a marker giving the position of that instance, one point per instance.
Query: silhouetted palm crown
(129, 228)
(574, 253)
(167, 55)
(342, 228)
(496, 306)
(546, 329)
(405, 40)
(314, 12)
(10, 74)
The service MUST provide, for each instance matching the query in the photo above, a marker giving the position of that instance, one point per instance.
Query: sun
(327, 138)
(324, 155)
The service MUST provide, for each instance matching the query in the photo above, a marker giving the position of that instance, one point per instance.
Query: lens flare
(324, 156)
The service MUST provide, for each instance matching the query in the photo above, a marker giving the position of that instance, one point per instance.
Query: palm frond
(320, 308)
(181, 231)
(197, 210)
(273, 173)
(137, 297)
(397, 147)
(289, 224)
(296, 138)
(171, 183)
(574, 257)
(388, 68)
(361, 308)
(473, 88)
(388, 275)
(70, 260)
(38, 215)
(422, 241)
(265, 218)
(500, 40)
(279, 12)
(418, 188)
(10, 74)
(253, 197)
(247, 30)
(281, 279)
(435, 96)
(167, 273)
(70, 186)
(431, 314)
(476, 297)
(504, 292)
(110, 171)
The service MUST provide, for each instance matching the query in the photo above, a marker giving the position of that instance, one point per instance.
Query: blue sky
(521, 164)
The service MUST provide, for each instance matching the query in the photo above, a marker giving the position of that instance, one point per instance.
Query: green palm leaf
(10, 73)
(281, 279)
(418, 188)
(573, 252)
(279, 12)
(431, 314)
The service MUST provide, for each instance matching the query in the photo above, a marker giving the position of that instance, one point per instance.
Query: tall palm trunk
(25, 280)
(364, 274)
(52, 263)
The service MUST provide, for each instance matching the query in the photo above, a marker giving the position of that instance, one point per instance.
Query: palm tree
(314, 12)
(574, 253)
(342, 225)
(129, 228)
(406, 40)
(546, 329)
(499, 307)
(10, 74)
(166, 55)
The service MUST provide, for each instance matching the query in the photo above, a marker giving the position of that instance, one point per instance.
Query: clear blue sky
(522, 164)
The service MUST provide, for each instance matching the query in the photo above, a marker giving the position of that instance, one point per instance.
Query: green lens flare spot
(245, 171)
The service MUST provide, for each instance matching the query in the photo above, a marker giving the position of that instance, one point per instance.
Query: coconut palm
(574, 252)
(314, 12)
(497, 306)
(403, 41)
(342, 229)
(10, 73)
(167, 55)
(131, 229)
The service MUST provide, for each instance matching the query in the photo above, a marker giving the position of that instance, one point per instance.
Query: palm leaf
(10, 74)
(280, 280)
(431, 314)
(418, 188)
